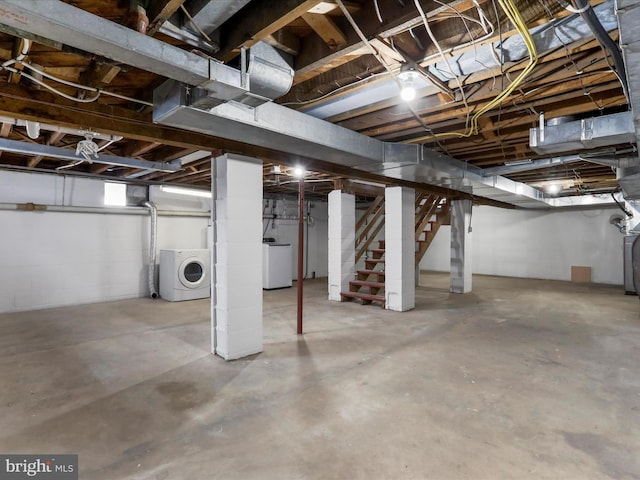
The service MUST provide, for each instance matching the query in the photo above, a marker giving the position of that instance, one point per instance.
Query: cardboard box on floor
(581, 274)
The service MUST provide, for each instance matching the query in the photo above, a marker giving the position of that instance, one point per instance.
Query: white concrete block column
(342, 242)
(400, 250)
(236, 304)
(461, 246)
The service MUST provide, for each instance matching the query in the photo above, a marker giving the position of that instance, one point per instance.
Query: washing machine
(185, 274)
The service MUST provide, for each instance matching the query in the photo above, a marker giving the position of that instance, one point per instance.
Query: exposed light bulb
(298, 172)
(408, 93)
(407, 76)
(553, 188)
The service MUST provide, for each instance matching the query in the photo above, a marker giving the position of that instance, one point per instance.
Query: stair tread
(375, 260)
(378, 250)
(366, 283)
(363, 296)
(371, 272)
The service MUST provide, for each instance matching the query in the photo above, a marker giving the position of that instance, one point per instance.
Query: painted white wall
(51, 259)
(286, 231)
(537, 244)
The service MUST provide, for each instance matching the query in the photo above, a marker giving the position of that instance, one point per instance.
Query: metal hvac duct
(276, 127)
(583, 134)
(208, 15)
(69, 25)
(628, 12)
(220, 104)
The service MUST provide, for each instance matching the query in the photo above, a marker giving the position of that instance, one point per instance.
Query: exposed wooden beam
(43, 107)
(19, 48)
(284, 40)
(265, 18)
(136, 148)
(55, 137)
(160, 11)
(5, 129)
(99, 74)
(433, 110)
(315, 55)
(385, 49)
(326, 29)
(52, 139)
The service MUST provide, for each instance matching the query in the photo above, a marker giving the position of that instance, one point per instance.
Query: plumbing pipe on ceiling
(60, 153)
(56, 128)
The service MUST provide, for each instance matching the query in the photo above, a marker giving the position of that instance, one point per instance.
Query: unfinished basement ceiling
(337, 78)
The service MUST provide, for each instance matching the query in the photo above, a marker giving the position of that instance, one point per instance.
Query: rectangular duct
(268, 125)
(583, 134)
(216, 108)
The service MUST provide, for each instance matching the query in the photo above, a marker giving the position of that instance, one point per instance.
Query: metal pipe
(153, 246)
(59, 153)
(300, 251)
(18, 122)
(41, 208)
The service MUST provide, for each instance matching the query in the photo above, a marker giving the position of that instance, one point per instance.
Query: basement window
(115, 194)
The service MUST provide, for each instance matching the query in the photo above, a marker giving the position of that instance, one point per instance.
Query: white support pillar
(400, 249)
(236, 304)
(461, 246)
(342, 242)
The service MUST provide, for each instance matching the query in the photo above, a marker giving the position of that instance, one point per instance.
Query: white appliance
(185, 274)
(631, 263)
(277, 265)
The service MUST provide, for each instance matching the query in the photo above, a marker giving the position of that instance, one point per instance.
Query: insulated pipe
(300, 251)
(152, 248)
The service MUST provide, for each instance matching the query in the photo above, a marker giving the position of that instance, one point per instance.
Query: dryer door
(192, 272)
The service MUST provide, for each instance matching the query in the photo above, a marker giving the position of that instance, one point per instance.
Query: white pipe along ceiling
(209, 97)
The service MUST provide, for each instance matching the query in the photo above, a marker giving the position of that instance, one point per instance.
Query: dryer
(185, 274)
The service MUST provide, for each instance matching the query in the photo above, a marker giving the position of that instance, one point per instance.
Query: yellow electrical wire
(512, 12)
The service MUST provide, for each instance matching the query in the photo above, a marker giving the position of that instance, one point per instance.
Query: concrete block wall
(53, 259)
(237, 302)
(400, 248)
(537, 244)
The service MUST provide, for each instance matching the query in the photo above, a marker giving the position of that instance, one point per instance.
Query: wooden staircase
(432, 211)
(369, 284)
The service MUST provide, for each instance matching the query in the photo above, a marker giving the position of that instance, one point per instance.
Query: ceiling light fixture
(186, 191)
(515, 163)
(298, 172)
(553, 188)
(407, 76)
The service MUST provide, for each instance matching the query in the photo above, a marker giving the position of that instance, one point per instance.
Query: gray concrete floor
(520, 379)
